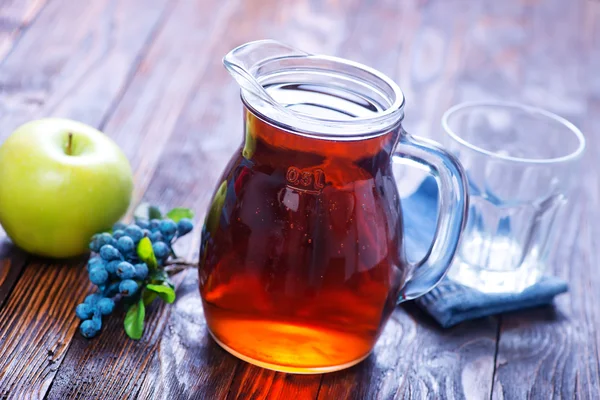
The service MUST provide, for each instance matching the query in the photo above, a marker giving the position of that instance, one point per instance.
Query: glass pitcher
(302, 257)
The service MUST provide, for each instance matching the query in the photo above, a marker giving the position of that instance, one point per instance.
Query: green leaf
(154, 213)
(134, 320)
(148, 297)
(178, 213)
(164, 291)
(147, 211)
(146, 254)
(159, 276)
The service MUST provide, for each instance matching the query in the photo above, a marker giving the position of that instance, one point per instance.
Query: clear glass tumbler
(521, 164)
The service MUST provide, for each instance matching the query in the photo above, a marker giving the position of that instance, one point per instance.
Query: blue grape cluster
(116, 268)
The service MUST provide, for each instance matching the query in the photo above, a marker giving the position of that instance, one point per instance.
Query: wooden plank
(216, 108)
(192, 148)
(211, 112)
(142, 125)
(333, 30)
(171, 74)
(76, 69)
(553, 352)
(111, 367)
(252, 382)
(415, 358)
(96, 49)
(15, 17)
(556, 350)
(37, 324)
(187, 360)
(84, 72)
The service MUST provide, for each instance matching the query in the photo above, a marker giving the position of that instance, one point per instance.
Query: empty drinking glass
(521, 164)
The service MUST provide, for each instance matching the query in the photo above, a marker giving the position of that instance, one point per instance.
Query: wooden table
(149, 74)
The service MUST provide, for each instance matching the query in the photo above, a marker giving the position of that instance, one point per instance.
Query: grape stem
(177, 265)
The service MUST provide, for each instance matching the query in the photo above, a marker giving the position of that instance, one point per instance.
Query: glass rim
(332, 128)
(515, 105)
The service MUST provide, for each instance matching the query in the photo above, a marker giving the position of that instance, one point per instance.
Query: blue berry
(156, 237)
(134, 232)
(146, 232)
(111, 267)
(142, 223)
(106, 306)
(92, 299)
(168, 229)
(98, 276)
(154, 225)
(95, 262)
(88, 329)
(100, 240)
(141, 271)
(119, 226)
(184, 226)
(106, 238)
(95, 244)
(128, 287)
(109, 253)
(125, 270)
(161, 250)
(119, 233)
(84, 311)
(125, 245)
(97, 320)
(111, 290)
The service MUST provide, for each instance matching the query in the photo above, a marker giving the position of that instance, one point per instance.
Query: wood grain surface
(149, 74)
(15, 17)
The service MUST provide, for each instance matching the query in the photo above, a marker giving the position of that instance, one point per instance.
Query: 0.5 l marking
(308, 180)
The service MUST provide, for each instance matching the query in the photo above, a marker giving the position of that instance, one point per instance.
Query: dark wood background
(149, 74)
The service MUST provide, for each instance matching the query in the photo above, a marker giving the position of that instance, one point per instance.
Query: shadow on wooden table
(416, 357)
(14, 261)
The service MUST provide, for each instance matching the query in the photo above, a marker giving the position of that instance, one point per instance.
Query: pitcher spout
(243, 62)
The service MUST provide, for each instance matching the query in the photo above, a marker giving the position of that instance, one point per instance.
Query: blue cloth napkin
(451, 303)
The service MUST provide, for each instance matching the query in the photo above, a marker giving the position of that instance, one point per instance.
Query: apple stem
(70, 144)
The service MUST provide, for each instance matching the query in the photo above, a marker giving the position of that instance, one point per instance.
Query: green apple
(61, 181)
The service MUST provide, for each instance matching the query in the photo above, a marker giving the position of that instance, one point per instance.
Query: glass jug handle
(452, 213)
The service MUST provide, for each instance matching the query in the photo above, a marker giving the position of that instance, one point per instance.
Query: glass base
(495, 264)
(495, 281)
(287, 368)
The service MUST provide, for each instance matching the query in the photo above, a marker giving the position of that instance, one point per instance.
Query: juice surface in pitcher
(301, 259)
